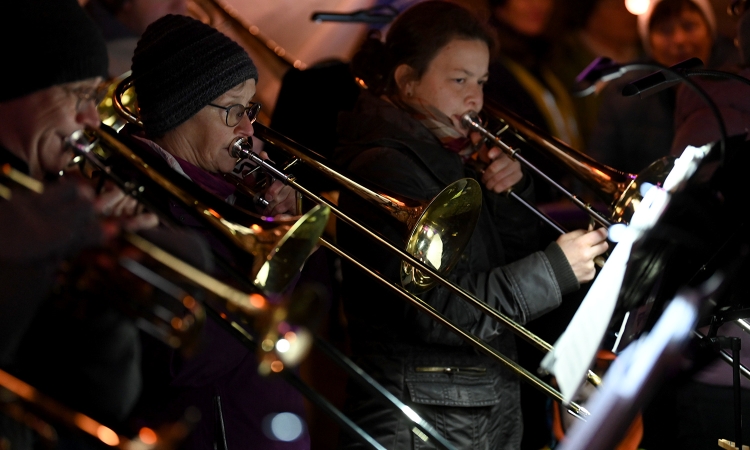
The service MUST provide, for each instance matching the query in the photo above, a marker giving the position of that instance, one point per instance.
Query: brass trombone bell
(438, 230)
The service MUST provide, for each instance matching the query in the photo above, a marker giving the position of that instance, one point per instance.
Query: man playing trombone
(49, 92)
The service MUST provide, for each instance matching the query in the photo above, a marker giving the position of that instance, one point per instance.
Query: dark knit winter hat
(46, 43)
(181, 65)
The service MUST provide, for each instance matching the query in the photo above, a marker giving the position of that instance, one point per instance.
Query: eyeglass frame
(85, 94)
(251, 111)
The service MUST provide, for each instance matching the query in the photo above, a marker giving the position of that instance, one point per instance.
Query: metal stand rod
(744, 371)
(352, 428)
(736, 344)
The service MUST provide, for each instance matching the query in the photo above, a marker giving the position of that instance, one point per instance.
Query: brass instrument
(130, 271)
(450, 216)
(277, 248)
(311, 158)
(621, 191)
(439, 230)
(26, 405)
(417, 275)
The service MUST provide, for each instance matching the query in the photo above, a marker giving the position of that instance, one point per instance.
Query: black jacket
(410, 354)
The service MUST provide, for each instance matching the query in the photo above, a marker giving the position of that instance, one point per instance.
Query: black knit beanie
(46, 43)
(179, 66)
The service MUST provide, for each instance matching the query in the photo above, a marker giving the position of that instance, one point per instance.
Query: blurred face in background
(527, 17)
(612, 20)
(681, 37)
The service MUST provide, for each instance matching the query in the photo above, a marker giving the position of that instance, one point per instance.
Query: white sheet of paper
(576, 348)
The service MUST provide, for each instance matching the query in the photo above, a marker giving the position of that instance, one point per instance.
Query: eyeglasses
(235, 112)
(87, 94)
(737, 7)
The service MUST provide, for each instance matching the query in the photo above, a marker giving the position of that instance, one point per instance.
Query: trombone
(283, 342)
(621, 191)
(420, 272)
(277, 248)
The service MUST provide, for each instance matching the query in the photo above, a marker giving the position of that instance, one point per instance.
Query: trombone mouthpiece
(241, 148)
(80, 142)
(470, 119)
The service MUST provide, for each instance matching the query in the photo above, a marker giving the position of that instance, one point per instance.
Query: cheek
(53, 157)
(222, 160)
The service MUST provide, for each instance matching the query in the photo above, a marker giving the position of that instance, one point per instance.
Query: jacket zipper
(449, 370)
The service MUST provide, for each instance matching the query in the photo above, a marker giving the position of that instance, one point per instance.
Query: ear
(405, 78)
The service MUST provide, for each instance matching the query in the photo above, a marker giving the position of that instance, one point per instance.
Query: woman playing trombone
(195, 88)
(405, 136)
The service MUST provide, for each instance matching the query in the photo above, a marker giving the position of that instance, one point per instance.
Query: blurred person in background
(85, 355)
(522, 80)
(631, 132)
(694, 412)
(597, 28)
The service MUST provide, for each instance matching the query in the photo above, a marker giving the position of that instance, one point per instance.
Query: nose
(245, 127)
(475, 98)
(679, 36)
(89, 115)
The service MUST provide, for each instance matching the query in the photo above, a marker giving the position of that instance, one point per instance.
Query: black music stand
(638, 371)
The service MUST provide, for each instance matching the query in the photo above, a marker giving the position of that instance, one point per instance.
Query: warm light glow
(267, 345)
(176, 323)
(214, 213)
(290, 336)
(147, 435)
(256, 228)
(189, 302)
(283, 346)
(107, 436)
(277, 366)
(637, 7)
(257, 301)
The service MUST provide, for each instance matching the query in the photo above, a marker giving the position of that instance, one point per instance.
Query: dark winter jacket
(469, 397)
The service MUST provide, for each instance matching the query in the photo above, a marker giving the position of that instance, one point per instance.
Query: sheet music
(574, 351)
